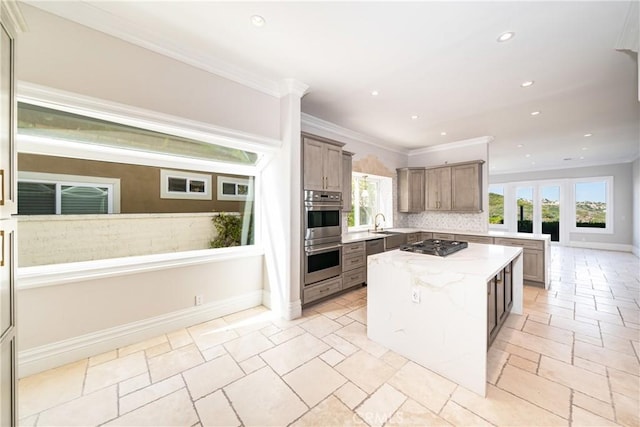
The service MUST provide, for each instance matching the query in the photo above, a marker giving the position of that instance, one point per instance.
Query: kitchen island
(435, 310)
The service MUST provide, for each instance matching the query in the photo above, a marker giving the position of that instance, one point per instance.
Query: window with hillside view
(370, 195)
(496, 204)
(591, 204)
(524, 202)
(550, 205)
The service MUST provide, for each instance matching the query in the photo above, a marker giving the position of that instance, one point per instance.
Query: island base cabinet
(499, 302)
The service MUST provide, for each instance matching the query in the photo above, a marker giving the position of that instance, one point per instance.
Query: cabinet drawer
(354, 278)
(523, 243)
(443, 236)
(413, 237)
(474, 239)
(351, 262)
(375, 246)
(352, 248)
(426, 235)
(322, 289)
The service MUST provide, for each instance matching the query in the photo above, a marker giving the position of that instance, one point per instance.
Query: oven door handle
(316, 250)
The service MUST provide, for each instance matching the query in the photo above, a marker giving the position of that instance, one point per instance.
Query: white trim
(294, 310)
(609, 217)
(604, 246)
(635, 250)
(12, 15)
(90, 15)
(575, 165)
(266, 298)
(60, 274)
(451, 145)
(326, 126)
(48, 356)
(293, 87)
(165, 193)
(138, 117)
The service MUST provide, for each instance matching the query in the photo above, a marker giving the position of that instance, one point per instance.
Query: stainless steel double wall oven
(322, 235)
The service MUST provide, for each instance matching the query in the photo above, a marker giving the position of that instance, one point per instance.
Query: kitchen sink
(386, 233)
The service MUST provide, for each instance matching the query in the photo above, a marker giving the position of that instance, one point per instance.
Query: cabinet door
(346, 182)
(492, 321)
(416, 190)
(8, 200)
(465, 187)
(7, 288)
(508, 288)
(8, 395)
(439, 189)
(533, 265)
(333, 167)
(500, 308)
(313, 169)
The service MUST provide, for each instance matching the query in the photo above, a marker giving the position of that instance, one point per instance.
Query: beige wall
(139, 185)
(55, 313)
(64, 55)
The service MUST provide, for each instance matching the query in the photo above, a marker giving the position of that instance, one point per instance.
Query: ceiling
(439, 61)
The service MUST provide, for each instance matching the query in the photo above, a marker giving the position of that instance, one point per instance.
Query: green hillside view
(588, 214)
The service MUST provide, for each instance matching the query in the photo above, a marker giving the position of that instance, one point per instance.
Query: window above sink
(370, 195)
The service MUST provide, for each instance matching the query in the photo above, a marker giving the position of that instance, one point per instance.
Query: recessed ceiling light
(519, 145)
(375, 93)
(587, 135)
(581, 157)
(505, 36)
(257, 20)
(443, 133)
(535, 113)
(567, 159)
(585, 148)
(527, 83)
(414, 117)
(527, 155)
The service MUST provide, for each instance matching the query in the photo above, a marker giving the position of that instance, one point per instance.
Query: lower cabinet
(322, 289)
(354, 264)
(532, 258)
(499, 302)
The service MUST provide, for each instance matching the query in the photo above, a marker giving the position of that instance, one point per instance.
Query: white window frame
(112, 184)
(609, 217)
(384, 206)
(166, 174)
(236, 181)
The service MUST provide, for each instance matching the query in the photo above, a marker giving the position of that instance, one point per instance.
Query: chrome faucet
(375, 221)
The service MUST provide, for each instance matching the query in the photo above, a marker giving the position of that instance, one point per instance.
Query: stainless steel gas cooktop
(435, 247)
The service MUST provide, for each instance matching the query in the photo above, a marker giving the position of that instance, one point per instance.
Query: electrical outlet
(198, 299)
(415, 295)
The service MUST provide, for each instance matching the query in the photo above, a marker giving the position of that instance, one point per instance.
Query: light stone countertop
(360, 236)
(477, 260)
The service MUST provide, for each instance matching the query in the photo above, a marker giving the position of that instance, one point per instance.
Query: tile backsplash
(443, 221)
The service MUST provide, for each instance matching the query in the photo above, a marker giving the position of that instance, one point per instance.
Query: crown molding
(91, 16)
(451, 145)
(323, 125)
(630, 32)
(293, 87)
(12, 15)
(558, 167)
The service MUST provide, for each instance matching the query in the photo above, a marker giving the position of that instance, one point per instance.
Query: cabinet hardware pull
(2, 184)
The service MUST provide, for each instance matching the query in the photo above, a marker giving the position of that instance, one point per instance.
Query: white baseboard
(604, 246)
(294, 310)
(635, 250)
(266, 298)
(59, 353)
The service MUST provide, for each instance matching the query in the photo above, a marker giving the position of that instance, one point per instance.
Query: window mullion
(58, 198)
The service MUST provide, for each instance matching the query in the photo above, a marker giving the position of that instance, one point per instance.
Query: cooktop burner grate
(435, 247)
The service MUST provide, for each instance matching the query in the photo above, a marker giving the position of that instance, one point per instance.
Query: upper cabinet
(347, 158)
(322, 165)
(411, 192)
(439, 189)
(456, 187)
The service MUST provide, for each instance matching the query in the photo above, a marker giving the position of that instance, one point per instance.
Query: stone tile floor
(572, 358)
